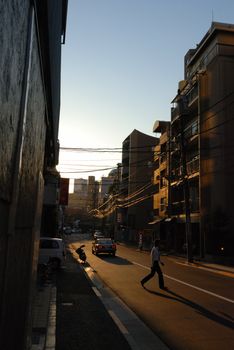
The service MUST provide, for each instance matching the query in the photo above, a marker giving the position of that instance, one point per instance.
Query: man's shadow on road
(200, 309)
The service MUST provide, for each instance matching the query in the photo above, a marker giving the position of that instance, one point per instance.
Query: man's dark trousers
(155, 268)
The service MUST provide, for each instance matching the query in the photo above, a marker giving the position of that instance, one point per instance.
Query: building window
(163, 153)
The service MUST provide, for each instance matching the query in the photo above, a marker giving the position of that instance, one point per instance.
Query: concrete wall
(217, 157)
(22, 136)
(25, 126)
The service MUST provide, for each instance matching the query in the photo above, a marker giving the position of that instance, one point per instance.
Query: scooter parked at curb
(81, 253)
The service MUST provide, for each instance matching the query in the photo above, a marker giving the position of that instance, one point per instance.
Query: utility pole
(188, 231)
(116, 213)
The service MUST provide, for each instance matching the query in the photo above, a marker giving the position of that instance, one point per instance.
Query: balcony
(191, 130)
(192, 95)
(180, 107)
(176, 173)
(178, 208)
(174, 113)
(163, 158)
(193, 166)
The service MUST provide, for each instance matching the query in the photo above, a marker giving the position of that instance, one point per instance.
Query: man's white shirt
(155, 255)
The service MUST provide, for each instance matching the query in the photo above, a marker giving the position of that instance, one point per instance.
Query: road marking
(144, 267)
(190, 285)
(197, 266)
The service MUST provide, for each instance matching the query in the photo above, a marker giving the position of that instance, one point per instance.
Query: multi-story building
(136, 201)
(161, 168)
(202, 160)
(104, 185)
(83, 200)
(80, 196)
(92, 193)
(161, 180)
(80, 186)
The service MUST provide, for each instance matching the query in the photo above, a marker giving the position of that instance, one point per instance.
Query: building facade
(104, 186)
(202, 160)
(31, 33)
(161, 181)
(135, 206)
(80, 195)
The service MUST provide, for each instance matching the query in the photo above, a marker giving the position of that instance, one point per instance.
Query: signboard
(64, 190)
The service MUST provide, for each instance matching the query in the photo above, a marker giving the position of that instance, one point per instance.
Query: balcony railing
(174, 113)
(180, 108)
(193, 94)
(191, 131)
(178, 208)
(176, 173)
(193, 166)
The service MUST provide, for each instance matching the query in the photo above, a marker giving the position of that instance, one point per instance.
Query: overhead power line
(86, 171)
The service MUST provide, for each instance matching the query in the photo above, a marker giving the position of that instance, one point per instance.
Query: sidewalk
(197, 261)
(44, 317)
(82, 321)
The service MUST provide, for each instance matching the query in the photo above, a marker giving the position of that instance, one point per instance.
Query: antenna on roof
(212, 15)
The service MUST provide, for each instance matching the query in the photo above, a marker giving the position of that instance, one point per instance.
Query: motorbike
(81, 253)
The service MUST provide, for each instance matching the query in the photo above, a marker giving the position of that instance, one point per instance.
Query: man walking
(155, 260)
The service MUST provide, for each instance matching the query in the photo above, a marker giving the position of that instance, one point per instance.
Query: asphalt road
(197, 311)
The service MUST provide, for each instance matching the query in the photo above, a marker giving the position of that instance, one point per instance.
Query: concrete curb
(137, 334)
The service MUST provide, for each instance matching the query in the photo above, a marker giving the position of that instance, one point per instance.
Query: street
(197, 311)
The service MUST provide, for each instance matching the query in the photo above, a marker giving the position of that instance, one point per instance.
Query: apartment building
(161, 168)
(80, 186)
(92, 193)
(103, 189)
(85, 196)
(136, 201)
(202, 158)
(161, 181)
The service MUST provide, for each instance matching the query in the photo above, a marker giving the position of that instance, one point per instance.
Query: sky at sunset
(121, 64)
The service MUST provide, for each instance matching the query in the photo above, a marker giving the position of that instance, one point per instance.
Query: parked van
(52, 250)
